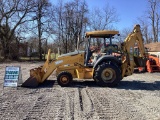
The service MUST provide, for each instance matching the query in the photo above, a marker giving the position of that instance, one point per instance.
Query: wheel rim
(108, 75)
(64, 79)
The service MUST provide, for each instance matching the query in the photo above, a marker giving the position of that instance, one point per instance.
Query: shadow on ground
(47, 84)
(83, 84)
(138, 85)
(128, 85)
(78, 84)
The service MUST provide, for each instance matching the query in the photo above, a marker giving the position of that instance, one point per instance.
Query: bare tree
(97, 19)
(70, 21)
(145, 28)
(124, 33)
(57, 17)
(154, 17)
(104, 18)
(76, 22)
(12, 14)
(32, 45)
(42, 17)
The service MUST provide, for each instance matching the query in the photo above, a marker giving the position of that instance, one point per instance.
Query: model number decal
(58, 62)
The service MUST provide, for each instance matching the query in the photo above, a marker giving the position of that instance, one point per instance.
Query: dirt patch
(136, 97)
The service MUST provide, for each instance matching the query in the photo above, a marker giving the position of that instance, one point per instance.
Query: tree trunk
(39, 29)
(6, 54)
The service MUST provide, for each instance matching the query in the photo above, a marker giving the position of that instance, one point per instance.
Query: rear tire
(107, 75)
(64, 79)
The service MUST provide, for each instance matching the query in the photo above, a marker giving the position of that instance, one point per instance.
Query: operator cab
(109, 49)
(99, 43)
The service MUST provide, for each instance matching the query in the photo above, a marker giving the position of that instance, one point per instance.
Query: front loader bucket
(40, 74)
(30, 82)
(35, 78)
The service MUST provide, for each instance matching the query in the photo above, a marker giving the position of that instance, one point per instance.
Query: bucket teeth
(30, 82)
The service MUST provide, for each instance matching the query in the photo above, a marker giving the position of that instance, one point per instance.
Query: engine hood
(71, 53)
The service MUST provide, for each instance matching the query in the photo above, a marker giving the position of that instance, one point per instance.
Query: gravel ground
(137, 97)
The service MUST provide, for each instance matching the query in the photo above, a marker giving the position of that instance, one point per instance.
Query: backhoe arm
(128, 50)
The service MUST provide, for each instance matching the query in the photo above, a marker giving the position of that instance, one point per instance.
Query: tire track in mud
(11, 104)
(5, 104)
(80, 98)
(148, 104)
(69, 109)
(54, 103)
(127, 104)
(38, 108)
(108, 106)
(42, 107)
(144, 103)
(62, 104)
(87, 105)
(3, 109)
(102, 106)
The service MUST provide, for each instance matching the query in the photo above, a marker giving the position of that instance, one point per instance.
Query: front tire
(107, 75)
(64, 79)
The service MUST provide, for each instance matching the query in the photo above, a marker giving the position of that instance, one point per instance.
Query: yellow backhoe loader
(106, 69)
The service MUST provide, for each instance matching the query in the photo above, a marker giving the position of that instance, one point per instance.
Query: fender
(107, 58)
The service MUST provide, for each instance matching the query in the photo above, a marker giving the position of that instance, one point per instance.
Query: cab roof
(101, 34)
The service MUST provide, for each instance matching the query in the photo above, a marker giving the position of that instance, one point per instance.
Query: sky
(128, 10)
